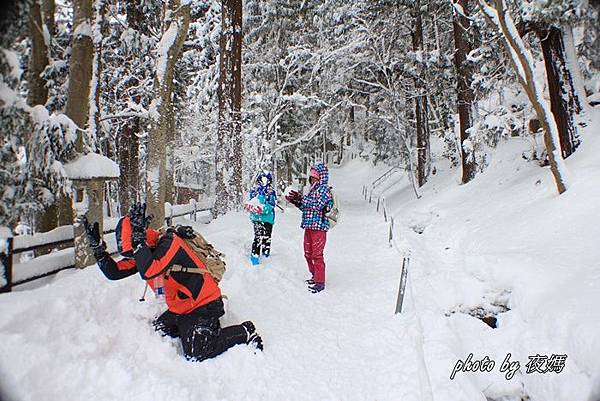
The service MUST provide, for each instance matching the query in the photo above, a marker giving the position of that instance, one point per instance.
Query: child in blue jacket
(262, 214)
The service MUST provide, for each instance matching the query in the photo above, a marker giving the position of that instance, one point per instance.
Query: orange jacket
(184, 292)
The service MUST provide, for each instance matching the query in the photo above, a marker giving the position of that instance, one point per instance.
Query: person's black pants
(202, 337)
(262, 238)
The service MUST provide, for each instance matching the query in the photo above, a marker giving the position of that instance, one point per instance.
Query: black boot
(256, 341)
(253, 337)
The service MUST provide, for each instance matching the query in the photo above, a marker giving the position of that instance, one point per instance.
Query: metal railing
(383, 177)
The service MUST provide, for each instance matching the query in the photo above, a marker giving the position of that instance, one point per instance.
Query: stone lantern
(88, 174)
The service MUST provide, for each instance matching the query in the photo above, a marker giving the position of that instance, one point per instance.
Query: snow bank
(58, 234)
(91, 166)
(507, 238)
(82, 337)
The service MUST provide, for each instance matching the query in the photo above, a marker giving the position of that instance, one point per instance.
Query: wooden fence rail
(13, 247)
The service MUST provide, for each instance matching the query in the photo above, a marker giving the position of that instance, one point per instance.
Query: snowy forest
(456, 139)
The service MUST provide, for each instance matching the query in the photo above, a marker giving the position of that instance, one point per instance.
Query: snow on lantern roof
(92, 166)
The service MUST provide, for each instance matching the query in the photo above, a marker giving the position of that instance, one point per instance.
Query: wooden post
(6, 260)
(384, 213)
(378, 200)
(391, 236)
(195, 211)
(402, 287)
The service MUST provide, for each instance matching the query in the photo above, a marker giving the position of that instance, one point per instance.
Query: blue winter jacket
(266, 196)
(317, 202)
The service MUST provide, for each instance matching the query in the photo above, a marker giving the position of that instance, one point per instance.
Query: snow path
(84, 338)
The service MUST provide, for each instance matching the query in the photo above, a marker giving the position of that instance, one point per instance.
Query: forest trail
(94, 340)
(345, 343)
(81, 337)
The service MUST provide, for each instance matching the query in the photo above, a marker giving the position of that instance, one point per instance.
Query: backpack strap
(185, 269)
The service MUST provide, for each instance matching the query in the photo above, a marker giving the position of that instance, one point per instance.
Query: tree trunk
(80, 68)
(99, 30)
(170, 173)
(324, 145)
(48, 10)
(229, 155)
(521, 61)
(288, 160)
(65, 211)
(169, 49)
(127, 138)
(80, 77)
(47, 220)
(564, 101)
(134, 15)
(127, 145)
(421, 107)
(38, 93)
(464, 93)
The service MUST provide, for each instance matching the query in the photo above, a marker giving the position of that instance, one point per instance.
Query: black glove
(185, 232)
(139, 223)
(294, 197)
(96, 243)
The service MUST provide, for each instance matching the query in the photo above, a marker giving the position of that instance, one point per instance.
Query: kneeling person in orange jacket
(194, 300)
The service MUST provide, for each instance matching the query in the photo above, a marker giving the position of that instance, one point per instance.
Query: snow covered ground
(505, 238)
(508, 238)
(84, 338)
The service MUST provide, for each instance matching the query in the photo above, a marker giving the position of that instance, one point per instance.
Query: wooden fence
(62, 237)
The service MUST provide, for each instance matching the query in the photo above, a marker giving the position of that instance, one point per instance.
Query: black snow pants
(201, 336)
(262, 238)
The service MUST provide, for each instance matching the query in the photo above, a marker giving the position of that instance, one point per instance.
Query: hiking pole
(143, 298)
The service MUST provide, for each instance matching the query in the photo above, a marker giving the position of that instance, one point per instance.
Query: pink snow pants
(314, 244)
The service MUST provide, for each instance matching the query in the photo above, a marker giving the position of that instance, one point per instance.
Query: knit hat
(314, 173)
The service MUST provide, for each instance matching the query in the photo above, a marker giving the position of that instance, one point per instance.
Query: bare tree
(229, 137)
(522, 63)
(176, 23)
